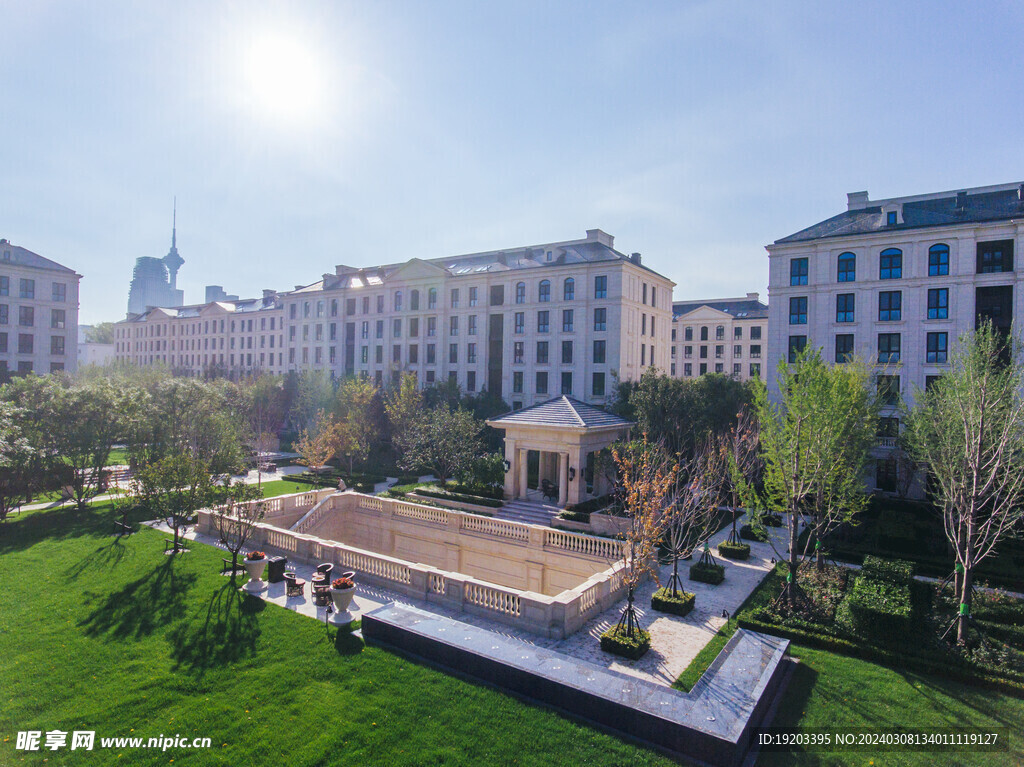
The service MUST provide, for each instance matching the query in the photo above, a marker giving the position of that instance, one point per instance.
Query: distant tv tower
(172, 260)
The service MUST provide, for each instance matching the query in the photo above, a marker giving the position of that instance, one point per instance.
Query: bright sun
(283, 77)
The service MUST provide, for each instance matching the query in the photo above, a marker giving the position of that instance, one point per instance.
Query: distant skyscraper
(155, 280)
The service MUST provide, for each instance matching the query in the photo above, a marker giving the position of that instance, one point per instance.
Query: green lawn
(284, 487)
(110, 635)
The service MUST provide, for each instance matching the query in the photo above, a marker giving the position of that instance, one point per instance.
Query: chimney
(856, 200)
(753, 296)
(268, 293)
(635, 258)
(596, 235)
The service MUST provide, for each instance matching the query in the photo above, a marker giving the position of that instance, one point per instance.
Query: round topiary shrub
(734, 550)
(680, 604)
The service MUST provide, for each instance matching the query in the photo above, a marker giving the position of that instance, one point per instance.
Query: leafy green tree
(814, 445)
(102, 333)
(403, 404)
(32, 396)
(321, 442)
(16, 456)
(358, 405)
(314, 392)
(442, 441)
(967, 429)
(173, 488)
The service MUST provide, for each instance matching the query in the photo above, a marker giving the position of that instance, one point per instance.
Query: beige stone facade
(38, 313)
(526, 323)
(721, 335)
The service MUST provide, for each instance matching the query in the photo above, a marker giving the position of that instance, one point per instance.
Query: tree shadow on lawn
(107, 556)
(26, 529)
(227, 634)
(939, 691)
(142, 606)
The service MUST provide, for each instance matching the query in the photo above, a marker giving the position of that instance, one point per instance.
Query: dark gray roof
(24, 257)
(741, 308)
(998, 205)
(562, 412)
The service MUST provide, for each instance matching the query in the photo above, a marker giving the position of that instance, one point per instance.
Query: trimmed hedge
(618, 643)
(734, 550)
(483, 491)
(574, 516)
(663, 601)
(748, 533)
(878, 608)
(713, 574)
(491, 502)
(592, 505)
(896, 571)
(772, 520)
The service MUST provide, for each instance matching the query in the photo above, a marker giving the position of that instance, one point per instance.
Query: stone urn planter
(342, 591)
(255, 564)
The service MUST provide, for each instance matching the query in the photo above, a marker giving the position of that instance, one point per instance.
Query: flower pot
(255, 568)
(342, 599)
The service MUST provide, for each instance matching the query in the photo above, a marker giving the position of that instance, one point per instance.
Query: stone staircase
(530, 512)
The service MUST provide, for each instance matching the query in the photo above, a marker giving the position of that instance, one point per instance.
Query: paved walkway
(675, 641)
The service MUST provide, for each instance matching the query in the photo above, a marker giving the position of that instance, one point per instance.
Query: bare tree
(692, 508)
(742, 446)
(968, 429)
(237, 516)
(647, 478)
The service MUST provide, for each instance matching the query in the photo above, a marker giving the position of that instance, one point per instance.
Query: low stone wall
(554, 616)
(461, 505)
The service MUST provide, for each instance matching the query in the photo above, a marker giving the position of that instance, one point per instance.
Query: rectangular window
(26, 316)
(601, 287)
(645, 293)
(60, 292)
(350, 307)
(378, 355)
(737, 350)
(455, 298)
(888, 389)
(844, 307)
(798, 271)
(567, 315)
(737, 368)
(755, 333)
(600, 319)
(380, 304)
(542, 352)
(937, 343)
(57, 318)
(888, 347)
(688, 334)
(431, 327)
(599, 352)
(517, 382)
(414, 354)
(379, 329)
(25, 343)
(471, 330)
(938, 260)
(28, 288)
(541, 382)
(703, 352)
(5, 286)
(719, 367)
(938, 303)
(414, 327)
(517, 352)
(543, 321)
(719, 351)
(471, 353)
(471, 380)
(737, 333)
(798, 310)
(567, 383)
(890, 218)
(472, 296)
(56, 344)
(687, 351)
(688, 369)
(497, 295)
(453, 326)
(364, 355)
(890, 305)
(796, 345)
(844, 347)
(755, 369)
(431, 355)
(993, 257)
(453, 354)
(3, 342)
(519, 323)
(566, 352)
(597, 385)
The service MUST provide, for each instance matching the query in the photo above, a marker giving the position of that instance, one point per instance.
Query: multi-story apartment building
(526, 324)
(895, 282)
(721, 335)
(217, 337)
(38, 313)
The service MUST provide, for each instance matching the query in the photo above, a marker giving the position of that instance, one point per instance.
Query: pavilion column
(523, 465)
(511, 455)
(563, 478)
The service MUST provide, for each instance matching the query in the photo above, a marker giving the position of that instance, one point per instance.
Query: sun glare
(284, 78)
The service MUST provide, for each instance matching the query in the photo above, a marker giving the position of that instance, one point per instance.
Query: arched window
(398, 300)
(545, 290)
(432, 298)
(938, 259)
(569, 289)
(847, 271)
(414, 300)
(890, 264)
(520, 292)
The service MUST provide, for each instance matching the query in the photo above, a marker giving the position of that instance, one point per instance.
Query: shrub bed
(713, 574)
(681, 604)
(771, 520)
(734, 550)
(605, 503)
(575, 516)
(749, 534)
(483, 491)
(619, 643)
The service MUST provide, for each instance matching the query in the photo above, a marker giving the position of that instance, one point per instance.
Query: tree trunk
(794, 557)
(965, 606)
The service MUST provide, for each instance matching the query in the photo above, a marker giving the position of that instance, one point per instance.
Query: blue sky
(298, 136)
